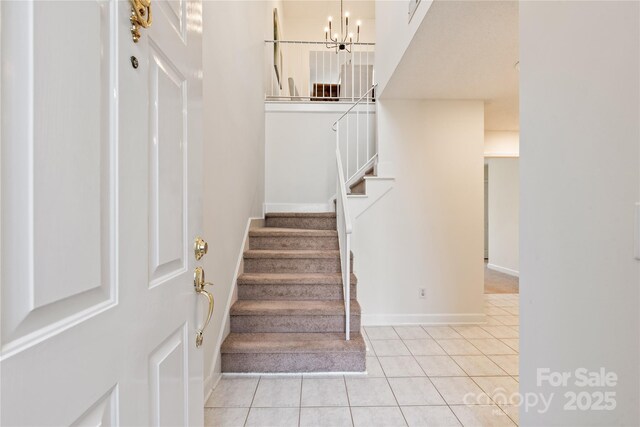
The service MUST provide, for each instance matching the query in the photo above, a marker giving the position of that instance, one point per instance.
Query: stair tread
(291, 308)
(292, 343)
(291, 232)
(301, 215)
(293, 278)
(292, 253)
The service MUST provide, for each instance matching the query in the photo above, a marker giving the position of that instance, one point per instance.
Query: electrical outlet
(422, 292)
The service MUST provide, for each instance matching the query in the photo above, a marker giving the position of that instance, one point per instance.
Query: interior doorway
(501, 210)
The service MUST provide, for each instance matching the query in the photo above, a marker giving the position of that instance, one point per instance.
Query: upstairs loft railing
(306, 71)
(353, 140)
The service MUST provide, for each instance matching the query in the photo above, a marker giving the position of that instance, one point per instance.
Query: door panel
(103, 413)
(167, 202)
(66, 129)
(101, 181)
(168, 380)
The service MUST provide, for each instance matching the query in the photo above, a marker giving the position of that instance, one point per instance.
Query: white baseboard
(297, 207)
(504, 270)
(422, 319)
(213, 375)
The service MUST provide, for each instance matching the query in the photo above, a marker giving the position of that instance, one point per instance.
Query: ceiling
(302, 9)
(465, 50)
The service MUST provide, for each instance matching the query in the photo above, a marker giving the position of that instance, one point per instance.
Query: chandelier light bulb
(330, 19)
(335, 35)
(359, 23)
(346, 14)
(326, 29)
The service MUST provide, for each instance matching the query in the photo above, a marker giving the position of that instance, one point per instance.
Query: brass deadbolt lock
(200, 248)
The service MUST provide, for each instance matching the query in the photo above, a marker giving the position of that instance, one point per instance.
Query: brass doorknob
(199, 284)
(200, 248)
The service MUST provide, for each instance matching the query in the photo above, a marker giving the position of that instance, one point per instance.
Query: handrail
(318, 42)
(343, 192)
(343, 225)
(333, 126)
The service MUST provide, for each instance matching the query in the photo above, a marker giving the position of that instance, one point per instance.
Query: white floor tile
(267, 417)
(514, 343)
(482, 416)
(501, 331)
(415, 391)
(381, 333)
(400, 366)
(411, 332)
(460, 391)
(278, 393)
(502, 390)
(377, 417)
(369, 392)
(233, 392)
(424, 347)
(225, 417)
(478, 365)
(442, 332)
(508, 363)
(390, 348)
(458, 347)
(509, 320)
(439, 366)
(323, 417)
(472, 332)
(373, 367)
(512, 412)
(421, 416)
(492, 346)
(324, 392)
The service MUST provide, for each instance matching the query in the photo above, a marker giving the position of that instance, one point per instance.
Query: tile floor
(416, 376)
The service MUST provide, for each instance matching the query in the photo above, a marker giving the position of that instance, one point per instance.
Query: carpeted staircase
(289, 316)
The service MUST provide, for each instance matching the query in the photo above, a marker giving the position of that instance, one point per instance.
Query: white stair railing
(306, 71)
(369, 156)
(355, 137)
(343, 222)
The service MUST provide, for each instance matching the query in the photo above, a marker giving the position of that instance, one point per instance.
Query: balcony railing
(306, 71)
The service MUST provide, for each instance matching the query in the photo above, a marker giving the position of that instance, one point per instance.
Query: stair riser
(292, 265)
(359, 188)
(293, 243)
(272, 323)
(293, 292)
(296, 362)
(302, 222)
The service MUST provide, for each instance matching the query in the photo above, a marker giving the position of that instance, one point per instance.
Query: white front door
(101, 177)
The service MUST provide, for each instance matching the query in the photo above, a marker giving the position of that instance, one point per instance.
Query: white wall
(504, 204)
(300, 172)
(580, 178)
(394, 32)
(233, 145)
(501, 143)
(427, 232)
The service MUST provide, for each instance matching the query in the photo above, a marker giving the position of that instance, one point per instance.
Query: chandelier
(344, 39)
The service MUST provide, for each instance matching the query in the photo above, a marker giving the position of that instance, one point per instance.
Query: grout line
(396, 399)
(346, 389)
(246, 420)
(300, 400)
